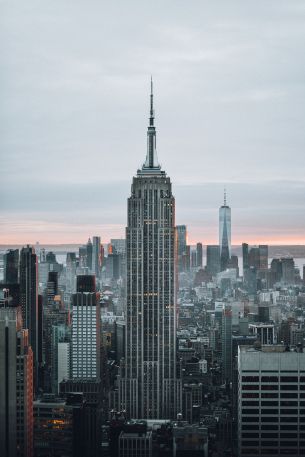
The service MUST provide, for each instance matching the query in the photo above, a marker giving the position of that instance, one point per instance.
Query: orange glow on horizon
(68, 239)
(22, 231)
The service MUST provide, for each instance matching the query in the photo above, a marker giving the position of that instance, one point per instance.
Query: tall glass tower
(224, 233)
(148, 386)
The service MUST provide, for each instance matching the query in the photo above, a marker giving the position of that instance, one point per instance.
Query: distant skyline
(229, 105)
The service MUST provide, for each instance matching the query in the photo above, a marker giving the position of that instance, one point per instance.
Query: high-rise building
(29, 297)
(60, 360)
(263, 256)
(284, 270)
(148, 386)
(16, 386)
(89, 254)
(49, 317)
(60, 427)
(135, 440)
(213, 259)
(288, 271)
(254, 257)
(224, 233)
(199, 254)
(96, 256)
(245, 251)
(83, 261)
(271, 394)
(182, 246)
(55, 314)
(119, 244)
(11, 264)
(86, 351)
(193, 259)
(226, 343)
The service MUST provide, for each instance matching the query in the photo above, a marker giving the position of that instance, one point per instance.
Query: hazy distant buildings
(199, 254)
(224, 234)
(255, 268)
(284, 270)
(88, 253)
(213, 259)
(16, 386)
(148, 386)
(263, 256)
(119, 245)
(182, 247)
(96, 256)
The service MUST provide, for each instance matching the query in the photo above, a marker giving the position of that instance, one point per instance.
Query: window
(269, 435)
(269, 379)
(250, 379)
(289, 387)
(289, 379)
(269, 387)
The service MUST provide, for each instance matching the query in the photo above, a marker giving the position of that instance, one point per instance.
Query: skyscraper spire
(225, 197)
(152, 114)
(151, 163)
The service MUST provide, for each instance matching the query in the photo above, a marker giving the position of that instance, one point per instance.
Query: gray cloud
(229, 82)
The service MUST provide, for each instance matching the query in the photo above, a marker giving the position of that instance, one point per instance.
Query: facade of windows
(271, 402)
(85, 357)
(148, 384)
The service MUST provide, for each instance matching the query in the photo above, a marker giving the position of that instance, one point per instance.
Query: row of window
(281, 427)
(272, 403)
(273, 387)
(273, 378)
(290, 444)
(273, 419)
(272, 395)
(292, 411)
(272, 435)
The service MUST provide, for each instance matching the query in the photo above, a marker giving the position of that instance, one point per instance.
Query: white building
(63, 362)
(85, 363)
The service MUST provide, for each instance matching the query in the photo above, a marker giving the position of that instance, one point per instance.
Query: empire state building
(148, 385)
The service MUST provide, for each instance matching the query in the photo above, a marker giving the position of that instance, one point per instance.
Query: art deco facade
(148, 386)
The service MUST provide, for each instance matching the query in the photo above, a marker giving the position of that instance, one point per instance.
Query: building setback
(148, 386)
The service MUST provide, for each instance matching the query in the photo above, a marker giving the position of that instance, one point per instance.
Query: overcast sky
(229, 80)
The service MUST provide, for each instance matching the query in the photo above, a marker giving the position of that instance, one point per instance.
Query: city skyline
(74, 109)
